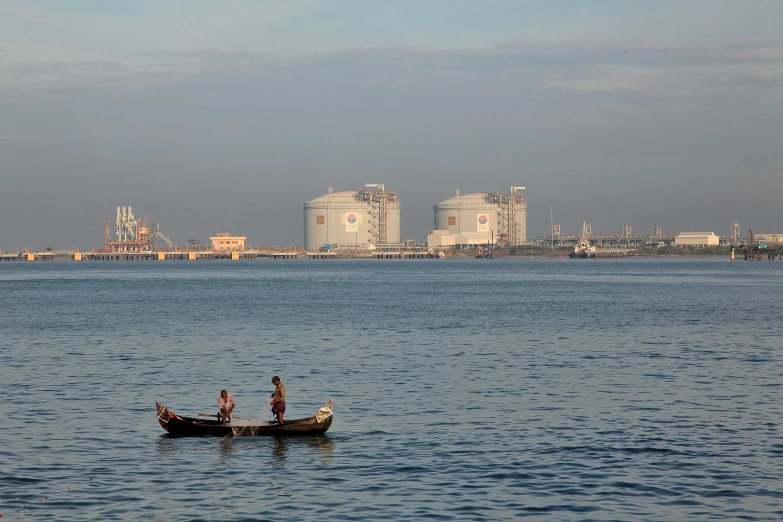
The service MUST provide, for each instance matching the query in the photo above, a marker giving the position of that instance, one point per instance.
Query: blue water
(634, 389)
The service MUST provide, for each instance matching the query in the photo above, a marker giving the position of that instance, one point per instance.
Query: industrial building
(441, 238)
(698, 239)
(773, 238)
(481, 218)
(353, 219)
(225, 241)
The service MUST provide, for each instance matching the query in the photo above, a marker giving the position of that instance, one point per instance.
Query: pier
(209, 255)
(403, 255)
(757, 253)
(607, 254)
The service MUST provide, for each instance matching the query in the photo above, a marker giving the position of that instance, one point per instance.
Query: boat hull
(179, 426)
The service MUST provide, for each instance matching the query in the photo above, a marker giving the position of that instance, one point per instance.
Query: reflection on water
(325, 446)
(279, 448)
(320, 447)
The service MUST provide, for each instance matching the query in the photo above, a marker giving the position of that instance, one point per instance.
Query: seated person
(226, 404)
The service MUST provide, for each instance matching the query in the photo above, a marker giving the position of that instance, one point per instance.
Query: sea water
(464, 389)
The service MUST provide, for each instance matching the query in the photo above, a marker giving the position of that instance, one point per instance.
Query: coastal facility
(481, 218)
(352, 219)
(697, 239)
(225, 241)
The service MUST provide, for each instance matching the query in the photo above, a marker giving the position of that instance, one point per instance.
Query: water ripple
(536, 389)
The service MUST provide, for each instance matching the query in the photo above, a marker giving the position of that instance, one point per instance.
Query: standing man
(278, 399)
(226, 404)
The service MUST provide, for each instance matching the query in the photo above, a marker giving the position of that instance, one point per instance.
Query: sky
(228, 116)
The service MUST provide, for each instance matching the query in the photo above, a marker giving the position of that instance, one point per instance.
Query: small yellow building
(225, 241)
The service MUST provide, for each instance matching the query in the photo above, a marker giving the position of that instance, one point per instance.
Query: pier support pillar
(732, 254)
(234, 256)
(161, 256)
(77, 256)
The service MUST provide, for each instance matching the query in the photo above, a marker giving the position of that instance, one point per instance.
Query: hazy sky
(229, 115)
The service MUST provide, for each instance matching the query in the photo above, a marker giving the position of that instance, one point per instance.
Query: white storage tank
(352, 219)
(485, 217)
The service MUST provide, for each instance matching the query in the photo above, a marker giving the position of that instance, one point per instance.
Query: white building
(769, 238)
(440, 238)
(698, 239)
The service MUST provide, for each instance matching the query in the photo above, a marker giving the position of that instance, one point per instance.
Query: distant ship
(582, 249)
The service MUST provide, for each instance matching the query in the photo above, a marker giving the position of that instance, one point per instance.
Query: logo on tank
(482, 223)
(352, 221)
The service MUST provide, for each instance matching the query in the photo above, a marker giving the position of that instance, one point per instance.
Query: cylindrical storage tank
(482, 213)
(467, 213)
(350, 218)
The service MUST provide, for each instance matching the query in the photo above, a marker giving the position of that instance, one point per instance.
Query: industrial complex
(369, 219)
(366, 223)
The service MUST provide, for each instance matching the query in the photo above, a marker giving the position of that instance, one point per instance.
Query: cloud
(645, 69)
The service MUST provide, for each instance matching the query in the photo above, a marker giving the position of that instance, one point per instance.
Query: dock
(208, 255)
(757, 253)
(607, 254)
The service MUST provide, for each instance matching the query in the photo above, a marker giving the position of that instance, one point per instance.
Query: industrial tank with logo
(352, 219)
(501, 216)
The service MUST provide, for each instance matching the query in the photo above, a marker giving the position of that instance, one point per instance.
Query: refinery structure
(133, 235)
(481, 218)
(353, 219)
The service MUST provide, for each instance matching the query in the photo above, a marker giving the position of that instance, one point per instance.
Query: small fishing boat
(212, 427)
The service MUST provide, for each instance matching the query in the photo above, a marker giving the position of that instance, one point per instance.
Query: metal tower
(587, 229)
(735, 233)
(127, 226)
(133, 235)
(156, 238)
(378, 199)
(509, 203)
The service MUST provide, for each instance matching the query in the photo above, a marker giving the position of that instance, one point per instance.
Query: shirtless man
(278, 399)
(226, 404)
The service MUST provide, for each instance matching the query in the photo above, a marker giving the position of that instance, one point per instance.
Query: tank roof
(464, 198)
(345, 194)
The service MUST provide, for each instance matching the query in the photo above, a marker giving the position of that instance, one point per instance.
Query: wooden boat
(180, 426)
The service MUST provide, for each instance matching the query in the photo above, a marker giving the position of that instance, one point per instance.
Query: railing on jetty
(209, 255)
(607, 254)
